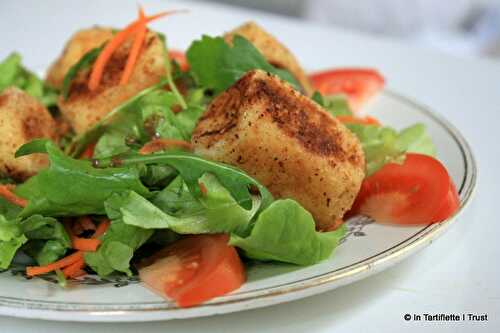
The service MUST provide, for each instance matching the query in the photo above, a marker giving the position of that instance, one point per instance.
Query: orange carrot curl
(137, 29)
(7, 194)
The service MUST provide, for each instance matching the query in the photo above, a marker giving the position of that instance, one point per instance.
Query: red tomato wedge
(194, 269)
(88, 152)
(415, 192)
(450, 205)
(358, 84)
(181, 59)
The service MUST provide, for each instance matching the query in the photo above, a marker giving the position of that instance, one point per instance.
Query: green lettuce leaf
(48, 240)
(383, 145)
(118, 244)
(45, 228)
(71, 187)
(13, 73)
(286, 232)
(11, 239)
(216, 65)
(9, 210)
(45, 251)
(336, 105)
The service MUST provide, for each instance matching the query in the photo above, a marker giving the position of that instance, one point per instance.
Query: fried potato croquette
(287, 142)
(22, 119)
(276, 53)
(80, 43)
(84, 108)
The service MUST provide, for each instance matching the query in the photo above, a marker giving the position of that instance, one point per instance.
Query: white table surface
(459, 273)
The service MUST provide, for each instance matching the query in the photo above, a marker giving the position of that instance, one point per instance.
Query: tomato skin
(412, 193)
(88, 152)
(180, 58)
(358, 84)
(194, 269)
(450, 205)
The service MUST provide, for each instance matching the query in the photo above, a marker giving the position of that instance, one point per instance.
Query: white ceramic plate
(367, 249)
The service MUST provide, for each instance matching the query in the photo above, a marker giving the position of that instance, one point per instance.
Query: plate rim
(22, 307)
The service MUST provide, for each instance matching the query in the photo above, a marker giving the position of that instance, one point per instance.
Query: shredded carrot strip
(76, 260)
(113, 44)
(101, 228)
(162, 144)
(66, 261)
(75, 269)
(85, 244)
(7, 194)
(80, 243)
(86, 223)
(136, 48)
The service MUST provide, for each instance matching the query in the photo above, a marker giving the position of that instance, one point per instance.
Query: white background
(459, 273)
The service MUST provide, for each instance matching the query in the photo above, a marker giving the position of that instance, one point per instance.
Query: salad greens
(286, 232)
(13, 73)
(71, 187)
(336, 105)
(384, 144)
(155, 199)
(204, 197)
(381, 144)
(217, 65)
(85, 62)
(11, 239)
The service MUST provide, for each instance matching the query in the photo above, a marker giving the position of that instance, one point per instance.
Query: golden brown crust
(84, 108)
(80, 43)
(22, 119)
(275, 52)
(287, 142)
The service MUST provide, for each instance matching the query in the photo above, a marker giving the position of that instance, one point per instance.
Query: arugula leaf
(85, 62)
(32, 147)
(383, 145)
(192, 167)
(336, 105)
(13, 73)
(11, 239)
(81, 141)
(216, 65)
(71, 187)
(176, 199)
(286, 232)
(157, 176)
(215, 212)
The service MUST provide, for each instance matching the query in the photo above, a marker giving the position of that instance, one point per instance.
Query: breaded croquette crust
(274, 51)
(287, 142)
(80, 43)
(84, 108)
(22, 119)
